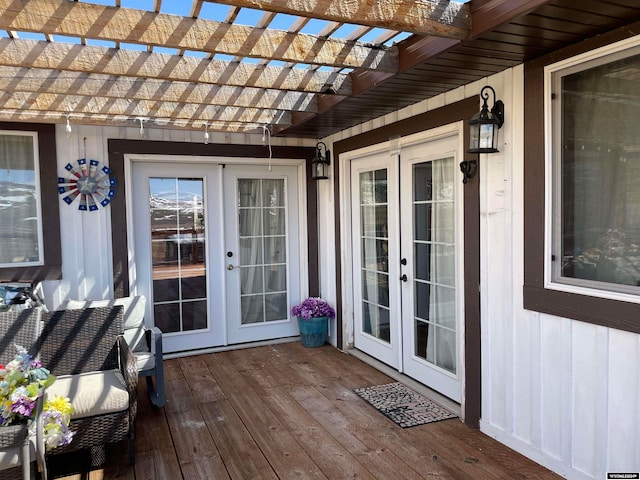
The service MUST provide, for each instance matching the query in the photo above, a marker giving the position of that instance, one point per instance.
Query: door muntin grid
(374, 241)
(434, 288)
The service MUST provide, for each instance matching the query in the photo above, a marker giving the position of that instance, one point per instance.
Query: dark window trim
(48, 165)
(117, 150)
(462, 110)
(591, 309)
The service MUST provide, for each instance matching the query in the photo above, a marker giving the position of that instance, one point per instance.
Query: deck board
(285, 411)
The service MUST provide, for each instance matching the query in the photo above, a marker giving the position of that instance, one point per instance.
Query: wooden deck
(286, 411)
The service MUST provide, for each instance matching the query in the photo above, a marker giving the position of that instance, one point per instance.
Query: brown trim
(52, 268)
(117, 150)
(590, 309)
(485, 16)
(462, 110)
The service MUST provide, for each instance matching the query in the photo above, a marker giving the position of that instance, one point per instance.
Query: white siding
(562, 392)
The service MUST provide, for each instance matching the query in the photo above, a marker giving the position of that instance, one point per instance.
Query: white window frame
(553, 75)
(36, 167)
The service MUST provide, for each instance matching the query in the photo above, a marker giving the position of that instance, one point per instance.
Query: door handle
(231, 267)
(403, 277)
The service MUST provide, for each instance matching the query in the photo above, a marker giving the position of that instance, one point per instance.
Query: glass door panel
(178, 247)
(434, 263)
(374, 239)
(262, 241)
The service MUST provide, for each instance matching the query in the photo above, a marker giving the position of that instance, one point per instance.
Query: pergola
(239, 65)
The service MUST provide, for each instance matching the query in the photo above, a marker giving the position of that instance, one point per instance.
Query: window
(595, 165)
(30, 249)
(20, 216)
(581, 205)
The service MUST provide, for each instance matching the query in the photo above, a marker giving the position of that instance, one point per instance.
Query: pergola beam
(79, 19)
(424, 17)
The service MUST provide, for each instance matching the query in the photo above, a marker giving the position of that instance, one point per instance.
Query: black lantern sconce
(320, 163)
(484, 126)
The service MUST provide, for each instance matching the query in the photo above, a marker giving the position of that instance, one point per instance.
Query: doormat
(402, 405)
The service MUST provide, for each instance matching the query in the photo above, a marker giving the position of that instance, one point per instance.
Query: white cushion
(145, 361)
(94, 393)
(133, 313)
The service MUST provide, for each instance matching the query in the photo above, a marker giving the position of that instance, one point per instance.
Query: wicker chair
(145, 341)
(96, 369)
(16, 446)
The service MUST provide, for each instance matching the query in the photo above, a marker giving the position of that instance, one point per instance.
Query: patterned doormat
(402, 405)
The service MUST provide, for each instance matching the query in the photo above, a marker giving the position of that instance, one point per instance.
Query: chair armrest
(41, 448)
(154, 340)
(129, 371)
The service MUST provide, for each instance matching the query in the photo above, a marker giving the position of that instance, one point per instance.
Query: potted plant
(313, 320)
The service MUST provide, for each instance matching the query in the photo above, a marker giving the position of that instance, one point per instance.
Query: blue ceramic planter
(313, 332)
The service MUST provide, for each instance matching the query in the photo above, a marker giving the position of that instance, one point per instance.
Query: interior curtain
(18, 203)
(251, 255)
(600, 231)
(442, 310)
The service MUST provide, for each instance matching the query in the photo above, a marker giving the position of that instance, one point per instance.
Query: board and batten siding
(561, 392)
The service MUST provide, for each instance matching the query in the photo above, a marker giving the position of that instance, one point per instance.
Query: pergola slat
(114, 107)
(121, 62)
(14, 79)
(424, 17)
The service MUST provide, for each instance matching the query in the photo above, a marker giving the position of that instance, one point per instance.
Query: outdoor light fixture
(206, 133)
(320, 163)
(68, 128)
(484, 126)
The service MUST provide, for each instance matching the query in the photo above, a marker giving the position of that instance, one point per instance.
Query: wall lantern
(320, 163)
(484, 126)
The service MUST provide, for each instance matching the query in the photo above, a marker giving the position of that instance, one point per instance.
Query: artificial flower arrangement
(313, 307)
(21, 384)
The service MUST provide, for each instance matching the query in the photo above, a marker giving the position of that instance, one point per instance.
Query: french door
(216, 251)
(262, 252)
(407, 251)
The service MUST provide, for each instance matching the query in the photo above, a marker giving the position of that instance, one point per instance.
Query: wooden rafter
(79, 19)
(14, 79)
(423, 17)
(121, 62)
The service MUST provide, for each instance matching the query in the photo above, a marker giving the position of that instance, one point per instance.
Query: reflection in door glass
(374, 242)
(178, 249)
(262, 255)
(435, 263)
